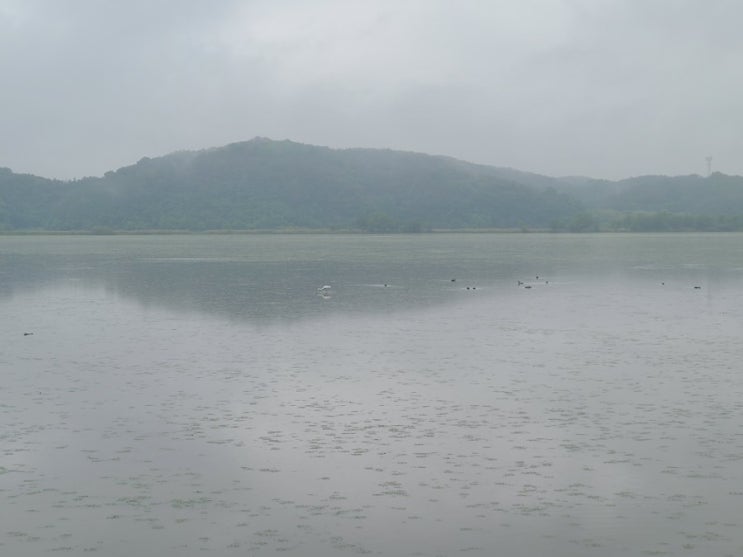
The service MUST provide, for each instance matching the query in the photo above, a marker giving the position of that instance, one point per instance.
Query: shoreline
(339, 232)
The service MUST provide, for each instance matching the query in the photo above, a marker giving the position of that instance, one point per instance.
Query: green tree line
(263, 184)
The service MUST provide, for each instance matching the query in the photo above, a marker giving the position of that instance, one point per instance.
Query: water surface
(188, 395)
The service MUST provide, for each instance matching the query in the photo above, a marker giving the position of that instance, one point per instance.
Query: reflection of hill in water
(244, 290)
(261, 291)
(275, 278)
(20, 274)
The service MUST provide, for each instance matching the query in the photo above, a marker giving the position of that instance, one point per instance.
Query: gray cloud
(609, 88)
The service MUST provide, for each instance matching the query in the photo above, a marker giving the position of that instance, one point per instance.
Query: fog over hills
(263, 184)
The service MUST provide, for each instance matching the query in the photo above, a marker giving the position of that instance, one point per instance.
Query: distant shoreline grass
(220, 232)
(330, 232)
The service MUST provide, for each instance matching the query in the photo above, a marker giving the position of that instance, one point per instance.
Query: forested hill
(659, 203)
(265, 184)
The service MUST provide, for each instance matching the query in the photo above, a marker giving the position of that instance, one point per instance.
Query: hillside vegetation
(264, 185)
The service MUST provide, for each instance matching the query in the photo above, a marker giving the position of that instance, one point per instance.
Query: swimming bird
(324, 291)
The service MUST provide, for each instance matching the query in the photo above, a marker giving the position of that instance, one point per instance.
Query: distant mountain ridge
(263, 184)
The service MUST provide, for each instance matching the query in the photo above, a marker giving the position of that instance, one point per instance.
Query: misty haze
(386, 278)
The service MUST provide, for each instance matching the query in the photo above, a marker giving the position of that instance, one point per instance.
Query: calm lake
(197, 395)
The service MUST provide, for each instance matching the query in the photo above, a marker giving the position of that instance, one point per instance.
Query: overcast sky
(604, 88)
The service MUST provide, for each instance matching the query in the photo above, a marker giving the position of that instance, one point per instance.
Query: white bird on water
(324, 290)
